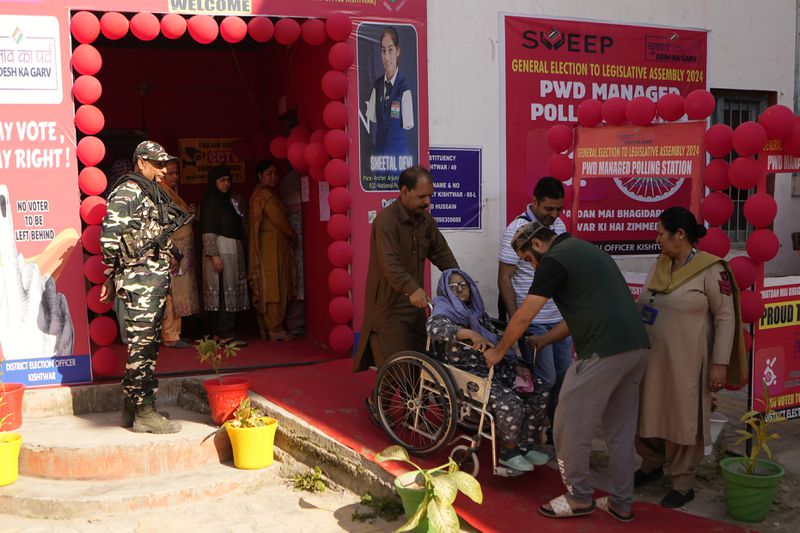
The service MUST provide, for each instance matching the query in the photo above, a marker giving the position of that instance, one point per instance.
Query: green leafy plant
(212, 351)
(389, 509)
(247, 416)
(441, 485)
(759, 431)
(310, 481)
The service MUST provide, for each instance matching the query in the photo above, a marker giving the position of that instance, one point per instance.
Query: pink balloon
(337, 143)
(614, 111)
(93, 209)
(261, 29)
(762, 245)
(337, 173)
(559, 138)
(560, 167)
(203, 29)
(233, 29)
(339, 200)
(317, 173)
(313, 32)
(341, 56)
(744, 270)
(93, 301)
(748, 138)
(338, 26)
(86, 59)
(340, 309)
(173, 26)
(296, 156)
(340, 281)
(670, 107)
(699, 104)
(760, 209)
(792, 143)
(145, 26)
(640, 111)
(107, 362)
(778, 121)
(335, 84)
(114, 25)
(287, 31)
(719, 140)
(278, 148)
(301, 131)
(334, 115)
(103, 330)
(339, 227)
(340, 339)
(744, 173)
(84, 27)
(590, 113)
(715, 242)
(87, 89)
(90, 238)
(92, 181)
(716, 175)
(340, 253)
(94, 268)
(717, 208)
(89, 119)
(90, 150)
(752, 306)
(318, 136)
(316, 156)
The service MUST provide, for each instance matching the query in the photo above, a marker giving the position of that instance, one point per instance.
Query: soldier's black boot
(129, 413)
(148, 420)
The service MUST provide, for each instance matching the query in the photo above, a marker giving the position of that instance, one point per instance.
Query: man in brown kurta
(403, 235)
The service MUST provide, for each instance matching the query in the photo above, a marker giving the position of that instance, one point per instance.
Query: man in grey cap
(139, 264)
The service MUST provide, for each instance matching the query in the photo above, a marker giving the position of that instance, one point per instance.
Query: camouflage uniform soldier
(137, 213)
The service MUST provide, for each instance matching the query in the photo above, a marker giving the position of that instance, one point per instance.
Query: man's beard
(538, 255)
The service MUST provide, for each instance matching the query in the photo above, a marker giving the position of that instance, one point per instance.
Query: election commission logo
(649, 189)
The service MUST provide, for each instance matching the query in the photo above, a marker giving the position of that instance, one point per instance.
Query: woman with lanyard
(690, 306)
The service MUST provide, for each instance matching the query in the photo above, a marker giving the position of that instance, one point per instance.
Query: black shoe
(640, 477)
(675, 499)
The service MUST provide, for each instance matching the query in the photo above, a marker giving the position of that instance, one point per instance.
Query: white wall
(751, 46)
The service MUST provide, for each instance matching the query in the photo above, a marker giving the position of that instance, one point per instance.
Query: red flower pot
(11, 405)
(224, 396)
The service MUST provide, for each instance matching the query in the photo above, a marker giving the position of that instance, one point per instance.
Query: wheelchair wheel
(466, 460)
(415, 402)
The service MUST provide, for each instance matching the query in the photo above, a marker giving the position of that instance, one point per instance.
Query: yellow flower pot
(10, 444)
(253, 447)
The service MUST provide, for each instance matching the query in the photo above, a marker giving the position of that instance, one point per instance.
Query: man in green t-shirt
(602, 386)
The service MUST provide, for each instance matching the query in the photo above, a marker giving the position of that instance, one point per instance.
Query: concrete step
(93, 446)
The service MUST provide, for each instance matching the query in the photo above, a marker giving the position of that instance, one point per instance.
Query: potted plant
(428, 493)
(252, 436)
(750, 481)
(224, 393)
(10, 443)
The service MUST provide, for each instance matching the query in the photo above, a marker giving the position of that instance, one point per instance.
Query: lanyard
(669, 279)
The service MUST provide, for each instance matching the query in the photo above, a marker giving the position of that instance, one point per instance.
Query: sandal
(602, 504)
(560, 508)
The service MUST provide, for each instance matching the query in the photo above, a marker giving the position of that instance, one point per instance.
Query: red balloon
(340, 339)
(762, 245)
(778, 121)
(699, 104)
(94, 268)
(791, 144)
(318, 136)
(339, 200)
(93, 301)
(640, 111)
(92, 181)
(317, 173)
(717, 208)
(90, 150)
(614, 111)
(560, 167)
(93, 209)
(760, 209)
(287, 31)
(340, 281)
(559, 138)
(748, 339)
(340, 253)
(173, 26)
(313, 32)
(715, 242)
(590, 113)
(670, 107)
(107, 362)
(261, 29)
(316, 156)
(114, 25)
(87, 89)
(341, 56)
(337, 143)
(278, 147)
(86, 59)
(719, 140)
(337, 173)
(338, 26)
(748, 138)
(233, 29)
(716, 175)
(89, 119)
(90, 238)
(341, 309)
(744, 270)
(203, 29)
(752, 306)
(744, 173)
(85, 27)
(335, 115)
(103, 330)
(339, 227)
(335, 84)
(145, 26)
(297, 157)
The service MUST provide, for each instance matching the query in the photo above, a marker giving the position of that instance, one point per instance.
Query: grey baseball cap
(152, 151)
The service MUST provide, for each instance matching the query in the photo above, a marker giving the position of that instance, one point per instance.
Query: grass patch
(386, 508)
(310, 481)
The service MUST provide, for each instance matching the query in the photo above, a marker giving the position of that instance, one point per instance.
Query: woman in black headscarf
(224, 271)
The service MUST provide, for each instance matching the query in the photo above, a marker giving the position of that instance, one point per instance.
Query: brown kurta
(694, 329)
(183, 287)
(399, 245)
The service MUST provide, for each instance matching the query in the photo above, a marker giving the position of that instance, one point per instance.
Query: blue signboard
(48, 371)
(456, 202)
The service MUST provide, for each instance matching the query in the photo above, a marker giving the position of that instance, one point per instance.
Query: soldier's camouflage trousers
(144, 307)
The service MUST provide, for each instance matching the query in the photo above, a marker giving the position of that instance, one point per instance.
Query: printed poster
(456, 202)
(199, 155)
